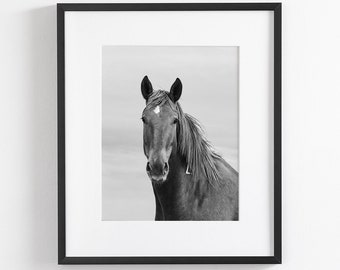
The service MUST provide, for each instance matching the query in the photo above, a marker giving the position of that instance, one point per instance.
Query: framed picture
(169, 133)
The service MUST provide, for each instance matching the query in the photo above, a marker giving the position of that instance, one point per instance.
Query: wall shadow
(43, 53)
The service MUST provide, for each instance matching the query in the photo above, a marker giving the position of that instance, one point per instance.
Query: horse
(190, 180)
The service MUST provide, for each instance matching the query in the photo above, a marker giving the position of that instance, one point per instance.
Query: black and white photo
(189, 152)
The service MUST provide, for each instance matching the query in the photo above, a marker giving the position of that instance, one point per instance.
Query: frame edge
(278, 133)
(61, 9)
(61, 130)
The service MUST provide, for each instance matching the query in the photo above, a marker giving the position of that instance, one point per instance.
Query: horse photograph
(170, 133)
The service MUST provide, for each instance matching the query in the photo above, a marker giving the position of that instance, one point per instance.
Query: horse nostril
(148, 167)
(166, 167)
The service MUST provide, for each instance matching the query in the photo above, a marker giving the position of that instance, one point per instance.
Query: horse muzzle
(158, 171)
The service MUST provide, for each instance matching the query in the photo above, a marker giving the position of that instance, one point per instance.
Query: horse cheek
(146, 144)
(171, 143)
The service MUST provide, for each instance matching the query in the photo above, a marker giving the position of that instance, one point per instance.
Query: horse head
(160, 121)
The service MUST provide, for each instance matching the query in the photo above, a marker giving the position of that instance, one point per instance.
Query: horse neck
(177, 193)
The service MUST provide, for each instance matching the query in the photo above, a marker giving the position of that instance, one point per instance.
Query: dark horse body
(190, 181)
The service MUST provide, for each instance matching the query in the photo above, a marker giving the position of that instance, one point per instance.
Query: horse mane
(191, 142)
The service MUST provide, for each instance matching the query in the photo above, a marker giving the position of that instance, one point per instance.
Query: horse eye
(143, 119)
(175, 121)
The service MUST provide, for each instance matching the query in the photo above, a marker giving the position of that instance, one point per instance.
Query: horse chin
(158, 179)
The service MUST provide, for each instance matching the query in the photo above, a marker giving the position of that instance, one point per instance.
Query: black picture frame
(276, 258)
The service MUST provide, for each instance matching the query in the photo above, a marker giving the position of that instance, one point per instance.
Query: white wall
(311, 134)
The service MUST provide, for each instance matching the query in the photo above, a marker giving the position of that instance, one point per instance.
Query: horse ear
(146, 87)
(176, 90)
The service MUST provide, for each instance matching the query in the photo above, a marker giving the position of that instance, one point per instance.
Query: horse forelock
(159, 98)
